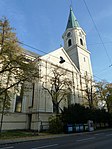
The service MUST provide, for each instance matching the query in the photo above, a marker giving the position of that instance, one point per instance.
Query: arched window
(69, 42)
(81, 42)
(84, 59)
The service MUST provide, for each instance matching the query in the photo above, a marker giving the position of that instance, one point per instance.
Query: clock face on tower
(80, 34)
(68, 34)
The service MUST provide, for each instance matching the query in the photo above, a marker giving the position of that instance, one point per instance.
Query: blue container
(81, 127)
(86, 128)
(69, 128)
(77, 128)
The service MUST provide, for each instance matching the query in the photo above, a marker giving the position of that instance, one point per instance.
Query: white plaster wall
(84, 62)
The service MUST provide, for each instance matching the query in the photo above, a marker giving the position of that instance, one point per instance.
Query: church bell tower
(75, 45)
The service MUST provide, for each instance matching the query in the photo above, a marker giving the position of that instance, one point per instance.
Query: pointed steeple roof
(72, 21)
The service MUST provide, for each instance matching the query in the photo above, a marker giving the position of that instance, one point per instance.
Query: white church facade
(36, 107)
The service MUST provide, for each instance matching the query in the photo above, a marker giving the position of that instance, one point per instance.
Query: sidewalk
(44, 136)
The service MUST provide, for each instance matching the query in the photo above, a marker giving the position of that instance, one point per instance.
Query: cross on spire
(72, 21)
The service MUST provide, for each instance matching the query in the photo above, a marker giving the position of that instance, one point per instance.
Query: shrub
(76, 114)
(55, 124)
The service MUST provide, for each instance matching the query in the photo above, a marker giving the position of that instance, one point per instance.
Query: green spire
(72, 21)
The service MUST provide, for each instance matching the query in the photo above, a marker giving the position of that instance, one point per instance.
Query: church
(66, 66)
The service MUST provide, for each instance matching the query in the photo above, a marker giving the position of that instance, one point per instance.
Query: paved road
(101, 140)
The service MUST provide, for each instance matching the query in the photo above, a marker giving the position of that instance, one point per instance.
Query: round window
(68, 34)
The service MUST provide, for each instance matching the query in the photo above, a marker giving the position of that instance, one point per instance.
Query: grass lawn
(17, 134)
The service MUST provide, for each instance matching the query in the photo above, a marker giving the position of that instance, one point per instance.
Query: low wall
(17, 121)
(14, 121)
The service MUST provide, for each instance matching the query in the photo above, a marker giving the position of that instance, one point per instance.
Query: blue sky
(41, 23)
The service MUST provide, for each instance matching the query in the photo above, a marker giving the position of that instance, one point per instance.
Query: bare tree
(90, 92)
(58, 88)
